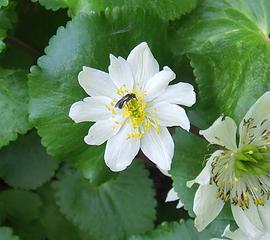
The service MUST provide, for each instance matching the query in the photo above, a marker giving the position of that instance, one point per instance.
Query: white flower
(132, 105)
(239, 174)
(173, 196)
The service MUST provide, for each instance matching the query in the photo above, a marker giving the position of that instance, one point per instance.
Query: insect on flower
(125, 99)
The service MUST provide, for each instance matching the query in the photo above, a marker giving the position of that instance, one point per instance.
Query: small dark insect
(124, 99)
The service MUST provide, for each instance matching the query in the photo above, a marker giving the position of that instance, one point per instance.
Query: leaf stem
(10, 40)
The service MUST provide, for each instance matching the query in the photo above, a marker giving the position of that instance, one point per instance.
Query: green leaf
(25, 163)
(54, 223)
(54, 86)
(186, 166)
(6, 233)
(165, 9)
(28, 231)
(21, 211)
(228, 44)
(116, 209)
(3, 3)
(19, 207)
(14, 101)
(8, 18)
(184, 230)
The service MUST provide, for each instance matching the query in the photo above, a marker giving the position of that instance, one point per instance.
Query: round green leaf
(25, 163)
(55, 225)
(88, 40)
(6, 233)
(14, 102)
(19, 207)
(114, 210)
(228, 44)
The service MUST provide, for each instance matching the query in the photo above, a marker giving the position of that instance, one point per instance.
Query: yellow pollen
(136, 113)
(135, 135)
(259, 202)
(122, 90)
(135, 110)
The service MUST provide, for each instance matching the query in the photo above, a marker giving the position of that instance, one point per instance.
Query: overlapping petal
(180, 93)
(264, 213)
(120, 151)
(206, 206)
(158, 147)
(120, 72)
(90, 109)
(204, 177)
(158, 83)
(143, 64)
(96, 82)
(170, 115)
(248, 220)
(222, 132)
(102, 130)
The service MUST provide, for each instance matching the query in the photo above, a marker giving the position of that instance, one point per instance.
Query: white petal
(169, 115)
(142, 63)
(171, 196)
(204, 177)
(96, 83)
(266, 236)
(101, 131)
(206, 206)
(236, 235)
(120, 72)
(259, 115)
(264, 212)
(248, 220)
(158, 147)
(90, 109)
(158, 83)
(120, 151)
(222, 132)
(179, 204)
(180, 93)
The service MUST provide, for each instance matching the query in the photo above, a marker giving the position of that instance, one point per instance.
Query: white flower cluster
(134, 104)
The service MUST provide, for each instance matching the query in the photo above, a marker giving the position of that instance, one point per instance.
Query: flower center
(135, 110)
(252, 160)
(243, 176)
